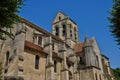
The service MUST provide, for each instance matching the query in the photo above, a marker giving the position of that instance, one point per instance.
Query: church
(32, 53)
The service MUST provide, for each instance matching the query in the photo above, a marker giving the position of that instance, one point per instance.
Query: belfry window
(55, 66)
(37, 62)
(64, 30)
(57, 31)
(70, 31)
(75, 38)
(59, 18)
(75, 33)
(53, 46)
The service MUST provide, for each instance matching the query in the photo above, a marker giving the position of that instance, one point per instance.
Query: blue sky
(90, 15)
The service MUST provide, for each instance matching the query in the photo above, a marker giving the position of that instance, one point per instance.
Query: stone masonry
(35, 54)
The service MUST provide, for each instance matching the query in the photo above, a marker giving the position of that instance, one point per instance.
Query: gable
(60, 16)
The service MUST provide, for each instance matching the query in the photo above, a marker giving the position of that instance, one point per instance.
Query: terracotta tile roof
(40, 49)
(78, 47)
(33, 46)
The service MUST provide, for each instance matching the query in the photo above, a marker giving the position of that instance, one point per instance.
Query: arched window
(53, 46)
(64, 29)
(75, 31)
(56, 31)
(7, 58)
(59, 17)
(70, 30)
(39, 40)
(81, 60)
(55, 66)
(37, 62)
(69, 65)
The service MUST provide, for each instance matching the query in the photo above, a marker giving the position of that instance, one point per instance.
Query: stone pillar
(73, 34)
(68, 31)
(20, 41)
(53, 30)
(108, 66)
(68, 40)
(77, 75)
(76, 68)
(50, 65)
(77, 34)
(65, 75)
(15, 48)
(60, 31)
(64, 71)
(50, 50)
(64, 57)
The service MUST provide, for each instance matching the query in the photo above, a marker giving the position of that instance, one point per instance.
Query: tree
(115, 20)
(117, 73)
(8, 15)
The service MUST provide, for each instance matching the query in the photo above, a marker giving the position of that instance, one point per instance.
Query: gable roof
(41, 30)
(60, 14)
(65, 17)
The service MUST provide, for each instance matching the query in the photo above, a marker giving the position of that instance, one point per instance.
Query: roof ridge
(63, 13)
(41, 30)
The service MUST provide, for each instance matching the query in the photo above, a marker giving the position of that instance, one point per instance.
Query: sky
(90, 15)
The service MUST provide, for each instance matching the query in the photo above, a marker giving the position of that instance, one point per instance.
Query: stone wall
(30, 73)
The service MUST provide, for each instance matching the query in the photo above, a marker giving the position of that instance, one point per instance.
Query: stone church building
(33, 53)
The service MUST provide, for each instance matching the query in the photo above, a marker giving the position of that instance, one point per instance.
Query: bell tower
(65, 28)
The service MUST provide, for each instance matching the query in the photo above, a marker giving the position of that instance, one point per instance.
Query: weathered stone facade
(35, 54)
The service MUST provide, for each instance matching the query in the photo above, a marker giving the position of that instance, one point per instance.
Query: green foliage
(8, 16)
(115, 20)
(117, 73)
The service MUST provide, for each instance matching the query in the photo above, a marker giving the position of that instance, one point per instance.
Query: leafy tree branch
(8, 15)
(115, 20)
